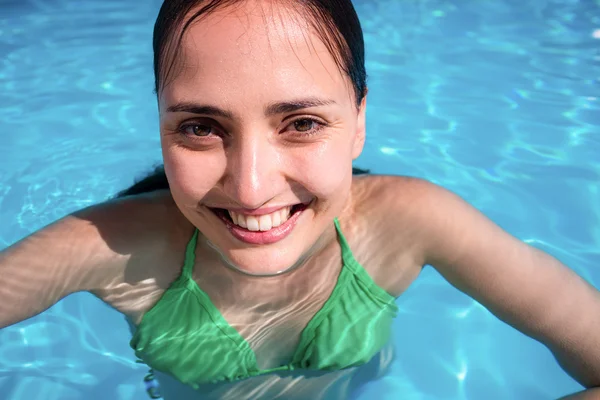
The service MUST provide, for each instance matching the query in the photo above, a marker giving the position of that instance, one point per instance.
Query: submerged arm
(590, 394)
(521, 285)
(39, 270)
(67, 256)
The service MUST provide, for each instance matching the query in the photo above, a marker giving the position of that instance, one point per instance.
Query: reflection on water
(494, 100)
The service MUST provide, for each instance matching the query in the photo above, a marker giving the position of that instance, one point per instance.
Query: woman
(258, 265)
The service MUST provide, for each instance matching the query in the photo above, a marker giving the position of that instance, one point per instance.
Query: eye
(196, 129)
(305, 126)
(203, 129)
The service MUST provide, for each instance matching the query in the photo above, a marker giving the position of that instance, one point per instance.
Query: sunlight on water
(496, 101)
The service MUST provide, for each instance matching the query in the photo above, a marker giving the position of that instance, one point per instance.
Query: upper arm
(524, 286)
(86, 251)
(51, 263)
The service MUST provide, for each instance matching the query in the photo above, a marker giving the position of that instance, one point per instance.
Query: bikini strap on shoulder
(346, 252)
(190, 256)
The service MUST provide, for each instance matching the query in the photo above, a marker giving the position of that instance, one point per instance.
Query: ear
(359, 138)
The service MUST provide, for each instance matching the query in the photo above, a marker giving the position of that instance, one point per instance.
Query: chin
(264, 260)
(265, 253)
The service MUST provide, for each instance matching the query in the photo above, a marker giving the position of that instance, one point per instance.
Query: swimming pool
(494, 100)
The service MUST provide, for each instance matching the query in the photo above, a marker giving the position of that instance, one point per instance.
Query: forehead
(262, 45)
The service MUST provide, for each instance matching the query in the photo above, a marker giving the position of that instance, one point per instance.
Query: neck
(315, 268)
(328, 236)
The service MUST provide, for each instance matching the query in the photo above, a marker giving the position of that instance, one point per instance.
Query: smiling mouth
(259, 223)
(261, 229)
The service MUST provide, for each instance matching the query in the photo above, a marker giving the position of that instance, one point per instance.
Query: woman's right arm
(86, 251)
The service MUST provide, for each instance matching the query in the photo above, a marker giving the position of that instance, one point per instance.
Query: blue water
(496, 100)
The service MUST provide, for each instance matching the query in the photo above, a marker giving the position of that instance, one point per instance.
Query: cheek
(327, 171)
(190, 175)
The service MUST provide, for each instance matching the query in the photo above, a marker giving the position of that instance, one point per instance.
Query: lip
(259, 237)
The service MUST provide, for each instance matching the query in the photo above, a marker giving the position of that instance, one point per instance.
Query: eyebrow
(272, 109)
(295, 105)
(194, 108)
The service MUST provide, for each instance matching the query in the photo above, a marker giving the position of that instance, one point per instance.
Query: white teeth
(276, 219)
(252, 223)
(239, 220)
(263, 222)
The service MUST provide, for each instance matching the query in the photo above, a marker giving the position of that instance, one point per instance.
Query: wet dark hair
(334, 21)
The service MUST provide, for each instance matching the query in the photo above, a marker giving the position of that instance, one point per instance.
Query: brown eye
(304, 125)
(198, 130)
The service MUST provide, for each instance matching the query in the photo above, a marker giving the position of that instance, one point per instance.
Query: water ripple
(494, 100)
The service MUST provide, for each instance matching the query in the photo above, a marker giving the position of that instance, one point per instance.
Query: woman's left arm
(590, 394)
(521, 285)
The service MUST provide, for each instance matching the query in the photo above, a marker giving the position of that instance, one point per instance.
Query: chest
(253, 310)
(339, 323)
(271, 315)
(329, 315)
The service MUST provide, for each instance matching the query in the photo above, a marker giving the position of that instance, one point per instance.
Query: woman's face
(259, 129)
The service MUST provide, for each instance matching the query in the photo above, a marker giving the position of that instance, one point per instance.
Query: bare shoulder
(430, 222)
(142, 221)
(385, 205)
(144, 237)
(392, 190)
(107, 249)
(405, 207)
(102, 233)
(141, 234)
(383, 224)
(406, 223)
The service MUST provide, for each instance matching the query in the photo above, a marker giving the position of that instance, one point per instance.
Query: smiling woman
(257, 263)
(254, 107)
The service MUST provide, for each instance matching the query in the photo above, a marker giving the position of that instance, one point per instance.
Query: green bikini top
(186, 336)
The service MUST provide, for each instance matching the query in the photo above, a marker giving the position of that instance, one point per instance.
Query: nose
(253, 175)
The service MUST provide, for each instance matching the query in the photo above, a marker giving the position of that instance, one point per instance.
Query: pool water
(497, 101)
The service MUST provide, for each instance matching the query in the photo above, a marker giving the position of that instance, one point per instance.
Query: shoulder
(119, 241)
(107, 249)
(392, 190)
(434, 226)
(113, 222)
(141, 226)
(436, 219)
(142, 241)
(398, 201)
(390, 203)
(384, 222)
(145, 216)
(411, 222)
